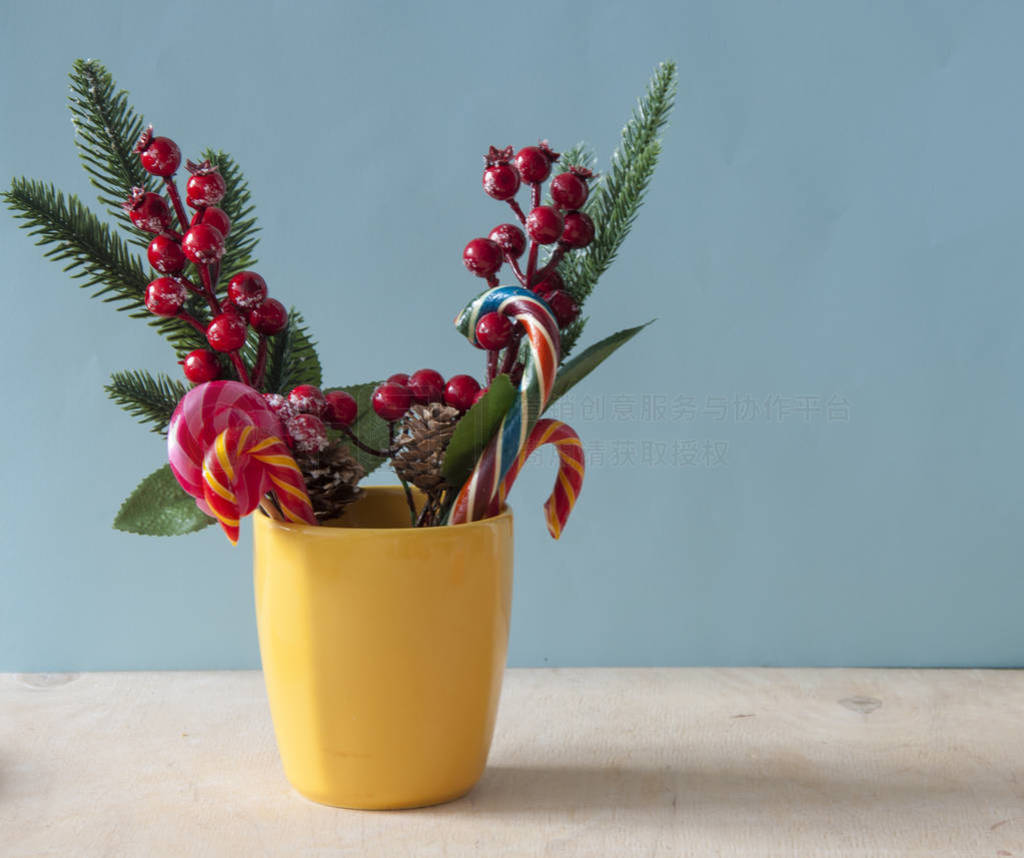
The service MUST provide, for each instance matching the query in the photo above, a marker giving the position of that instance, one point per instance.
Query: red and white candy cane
(571, 465)
(241, 466)
(517, 436)
(479, 494)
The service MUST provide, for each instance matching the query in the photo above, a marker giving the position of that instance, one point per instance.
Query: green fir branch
(147, 398)
(106, 131)
(292, 358)
(91, 252)
(237, 205)
(617, 195)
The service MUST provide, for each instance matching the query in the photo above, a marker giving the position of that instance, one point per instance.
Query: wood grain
(586, 762)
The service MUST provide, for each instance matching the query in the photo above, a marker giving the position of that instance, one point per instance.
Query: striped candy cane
(241, 466)
(569, 481)
(479, 496)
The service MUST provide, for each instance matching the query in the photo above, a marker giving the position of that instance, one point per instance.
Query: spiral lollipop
(242, 465)
(569, 481)
(244, 471)
(203, 413)
(479, 496)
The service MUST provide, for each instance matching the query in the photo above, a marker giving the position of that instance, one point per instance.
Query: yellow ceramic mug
(383, 649)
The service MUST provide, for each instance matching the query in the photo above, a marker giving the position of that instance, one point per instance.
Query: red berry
(203, 244)
(270, 317)
(341, 408)
(551, 283)
(166, 255)
(427, 385)
(400, 378)
(206, 186)
(509, 238)
(279, 405)
(213, 216)
(307, 399)
(544, 224)
(308, 433)
(226, 333)
(460, 391)
(201, 365)
(165, 296)
(579, 230)
(493, 331)
(482, 256)
(148, 211)
(569, 191)
(161, 156)
(501, 181)
(562, 307)
(533, 164)
(391, 400)
(480, 394)
(246, 289)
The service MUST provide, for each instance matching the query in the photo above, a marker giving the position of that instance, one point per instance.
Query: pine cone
(332, 479)
(423, 435)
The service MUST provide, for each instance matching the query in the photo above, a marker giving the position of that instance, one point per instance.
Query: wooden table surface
(585, 762)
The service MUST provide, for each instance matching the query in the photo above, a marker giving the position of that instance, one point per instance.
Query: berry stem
(531, 266)
(511, 353)
(243, 375)
(410, 501)
(535, 191)
(519, 212)
(193, 321)
(172, 190)
(380, 454)
(492, 365)
(552, 263)
(492, 281)
(199, 290)
(261, 362)
(211, 298)
(514, 265)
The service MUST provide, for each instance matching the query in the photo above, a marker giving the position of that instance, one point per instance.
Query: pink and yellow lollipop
(204, 414)
(241, 466)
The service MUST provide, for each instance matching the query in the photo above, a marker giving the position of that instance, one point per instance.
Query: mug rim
(389, 488)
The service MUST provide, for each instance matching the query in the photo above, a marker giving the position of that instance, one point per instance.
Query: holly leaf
(575, 370)
(475, 429)
(367, 426)
(160, 507)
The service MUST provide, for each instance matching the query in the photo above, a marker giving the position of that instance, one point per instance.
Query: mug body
(383, 649)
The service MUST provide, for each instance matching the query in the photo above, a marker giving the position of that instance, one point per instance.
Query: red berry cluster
(394, 397)
(306, 412)
(200, 242)
(562, 224)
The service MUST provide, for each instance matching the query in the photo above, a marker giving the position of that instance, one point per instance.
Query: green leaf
(616, 196)
(292, 359)
(367, 427)
(106, 131)
(92, 253)
(573, 371)
(150, 399)
(237, 205)
(160, 507)
(475, 429)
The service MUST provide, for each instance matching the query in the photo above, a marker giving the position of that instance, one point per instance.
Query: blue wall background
(812, 458)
